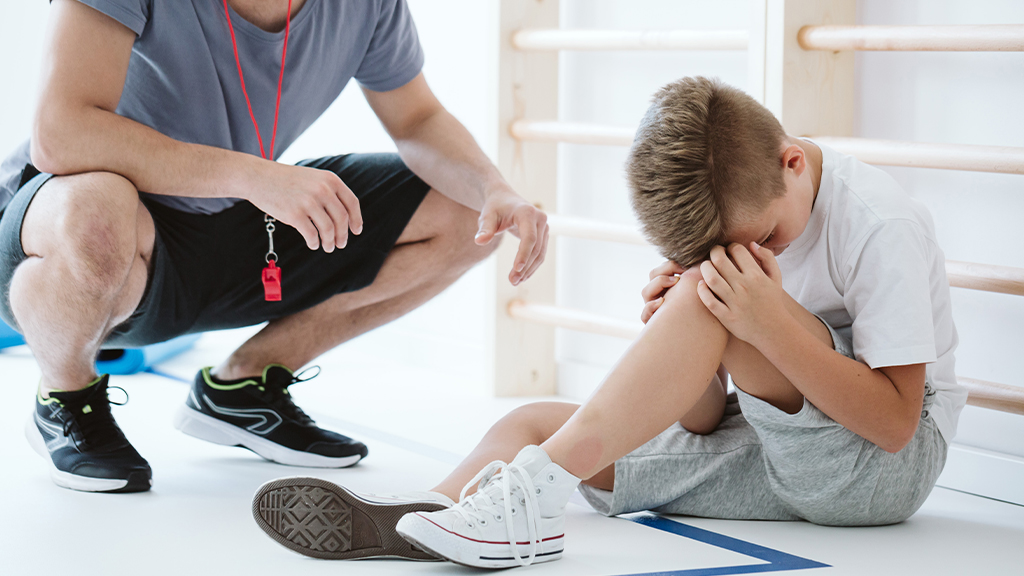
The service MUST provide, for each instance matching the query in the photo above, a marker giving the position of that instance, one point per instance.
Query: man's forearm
(861, 399)
(90, 139)
(444, 154)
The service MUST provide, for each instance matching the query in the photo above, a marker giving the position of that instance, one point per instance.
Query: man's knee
(89, 222)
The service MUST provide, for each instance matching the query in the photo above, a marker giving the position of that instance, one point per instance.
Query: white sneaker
(523, 504)
(318, 518)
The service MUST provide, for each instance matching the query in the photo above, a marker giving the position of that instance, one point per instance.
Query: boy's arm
(76, 130)
(882, 405)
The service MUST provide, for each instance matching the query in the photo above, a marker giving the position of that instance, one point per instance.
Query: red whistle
(272, 282)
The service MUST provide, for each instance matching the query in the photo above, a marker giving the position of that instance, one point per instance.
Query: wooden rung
(993, 396)
(985, 277)
(573, 133)
(1003, 159)
(982, 394)
(573, 319)
(561, 39)
(594, 230)
(970, 275)
(974, 38)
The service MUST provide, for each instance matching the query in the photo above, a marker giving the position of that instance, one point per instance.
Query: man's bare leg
(89, 240)
(435, 249)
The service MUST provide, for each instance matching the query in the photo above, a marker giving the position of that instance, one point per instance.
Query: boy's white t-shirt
(869, 265)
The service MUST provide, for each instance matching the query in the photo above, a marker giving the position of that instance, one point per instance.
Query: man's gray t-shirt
(183, 81)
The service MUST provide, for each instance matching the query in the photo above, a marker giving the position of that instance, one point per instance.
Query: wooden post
(523, 353)
(810, 92)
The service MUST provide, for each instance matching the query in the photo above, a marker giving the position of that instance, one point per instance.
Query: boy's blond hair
(706, 158)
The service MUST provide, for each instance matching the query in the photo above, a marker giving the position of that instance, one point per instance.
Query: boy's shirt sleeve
(888, 295)
(395, 56)
(132, 13)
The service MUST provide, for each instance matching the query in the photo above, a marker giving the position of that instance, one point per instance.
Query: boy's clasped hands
(740, 285)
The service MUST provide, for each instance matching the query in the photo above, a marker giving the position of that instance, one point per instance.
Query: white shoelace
(473, 508)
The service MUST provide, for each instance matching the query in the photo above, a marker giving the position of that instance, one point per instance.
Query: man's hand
(504, 210)
(314, 202)
(743, 292)
(662, 278)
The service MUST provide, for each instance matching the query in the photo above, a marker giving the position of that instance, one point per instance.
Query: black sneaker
(76, 432)
(259, 414)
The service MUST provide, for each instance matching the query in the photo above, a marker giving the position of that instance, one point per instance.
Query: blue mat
(128, 361)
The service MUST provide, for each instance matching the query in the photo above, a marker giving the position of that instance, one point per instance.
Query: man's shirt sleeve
(132, 13)
(395, 56)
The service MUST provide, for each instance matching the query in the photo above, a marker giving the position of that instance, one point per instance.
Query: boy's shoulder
(865, 198)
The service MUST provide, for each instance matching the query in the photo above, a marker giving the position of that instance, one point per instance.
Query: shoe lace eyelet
(522, 501)
(551, 478)
(538, 491)
(499, 518)
(483, 522)
(514, 511)
(469, 525)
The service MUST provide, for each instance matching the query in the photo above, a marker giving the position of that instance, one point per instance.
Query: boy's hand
(743, 289)
(662, 278)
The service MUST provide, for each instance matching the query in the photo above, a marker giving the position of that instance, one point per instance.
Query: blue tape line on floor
(776, 561)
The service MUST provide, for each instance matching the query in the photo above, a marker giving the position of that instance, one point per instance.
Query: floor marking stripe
(776, 561)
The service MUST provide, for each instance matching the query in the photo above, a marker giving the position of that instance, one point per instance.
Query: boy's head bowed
(706, 158)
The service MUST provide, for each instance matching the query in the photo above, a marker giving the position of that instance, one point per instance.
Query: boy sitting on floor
(809, 277)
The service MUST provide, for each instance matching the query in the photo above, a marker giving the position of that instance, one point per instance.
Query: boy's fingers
(721, 261)
(657, 287)
(708, 298)
(745, 261)
(667, 269)
(713, 277)
(768, 262)
(650, 308)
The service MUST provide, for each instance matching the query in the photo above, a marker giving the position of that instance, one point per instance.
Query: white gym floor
(417, 423)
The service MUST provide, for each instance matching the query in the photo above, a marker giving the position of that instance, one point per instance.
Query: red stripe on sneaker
(483, 541)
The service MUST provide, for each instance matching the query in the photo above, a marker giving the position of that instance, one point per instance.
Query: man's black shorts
(206, 269)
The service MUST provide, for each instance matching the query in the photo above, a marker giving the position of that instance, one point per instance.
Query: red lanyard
(271, 274)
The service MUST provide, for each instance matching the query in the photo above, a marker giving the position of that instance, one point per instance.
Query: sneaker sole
(198, 425)
(320, 519)
(136, 481)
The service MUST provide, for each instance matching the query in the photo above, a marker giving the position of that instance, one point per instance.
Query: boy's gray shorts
(764, 464)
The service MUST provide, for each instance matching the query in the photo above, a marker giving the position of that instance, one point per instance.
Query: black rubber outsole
(320, 519)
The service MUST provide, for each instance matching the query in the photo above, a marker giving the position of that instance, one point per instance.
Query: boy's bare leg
(663, 374)
(537, 423)
(526, 425)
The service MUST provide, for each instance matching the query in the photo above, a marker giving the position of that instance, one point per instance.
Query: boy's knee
(683, 295)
